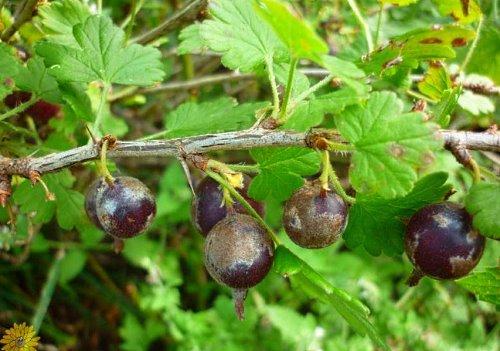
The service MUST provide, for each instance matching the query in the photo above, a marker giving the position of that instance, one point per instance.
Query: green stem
(103, 163)
(473, 45)
(362, 23)
(289, 88)
(100, 110)
(47, 291)
(334, 179)
(325, 162)
(20, 108)
(244, 168)
(274, 86)
(306, 93)
(245, 204)
(99, 6)
(476, 171)
(379, 23)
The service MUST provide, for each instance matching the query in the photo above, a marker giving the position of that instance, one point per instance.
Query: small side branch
(185, 15)
(24, 16)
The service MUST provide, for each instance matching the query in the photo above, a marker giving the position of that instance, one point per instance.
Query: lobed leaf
(407, 50)
(298, 36)
(58, 19)
(243, 38)
(101, 54)
(281, 171)
(462, 11)
(389, 145)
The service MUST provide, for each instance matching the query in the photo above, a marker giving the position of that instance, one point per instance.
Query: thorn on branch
(198, 160)
(5, 189)
(35, 177)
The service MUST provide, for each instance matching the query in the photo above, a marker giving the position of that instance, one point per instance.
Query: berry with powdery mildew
(208, 207)
(314, 217)
(441, 243)
(91, 200)
(125, 207)
(239, 254)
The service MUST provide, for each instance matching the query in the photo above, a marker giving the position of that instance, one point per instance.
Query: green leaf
(295, 328)
(73, 263)
(310, 113)
(462, 11)
(9, 66)
(313, 284)
(221, 115)
(35, 78)
(77, 99)
(31, 199)
(485, 284)
(138, 335)
(483, 203)
(341, 68)
(389, 145)
(242, 37)
(281, 171)
(58, 19)
(475, 103)
(442, 110)
(348, 72)
(191, 40)
(298, 36)
(69, 209)
(486, 57)
(407, 50)
(101, 55)
(435, 82)
(377, 223)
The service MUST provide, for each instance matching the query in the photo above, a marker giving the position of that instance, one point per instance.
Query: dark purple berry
(239, 254)
(314, 218)
(441, 242)
(91, 198)
(125, 208)
(208, 208)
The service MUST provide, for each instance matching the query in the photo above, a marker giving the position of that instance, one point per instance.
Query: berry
(41, 111)
(314, 218)
(208, 208)
(239, 254)
(441, 242)
(124, 208)
(91, 200)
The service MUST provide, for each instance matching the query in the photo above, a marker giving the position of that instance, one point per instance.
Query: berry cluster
(440, 241)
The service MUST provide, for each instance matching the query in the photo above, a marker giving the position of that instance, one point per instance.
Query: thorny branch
(201, 144)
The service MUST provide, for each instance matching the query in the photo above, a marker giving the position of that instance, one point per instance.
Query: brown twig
(24, 16)
(201, 144)
(185, 15)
